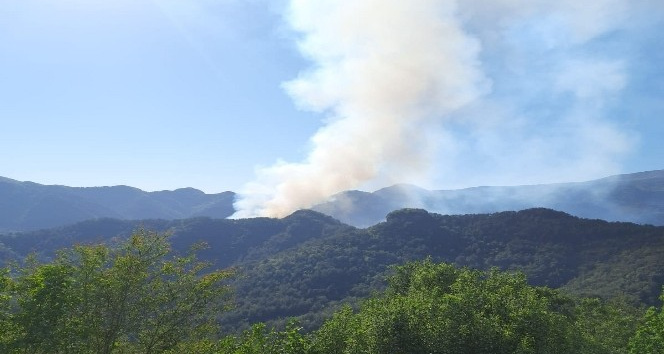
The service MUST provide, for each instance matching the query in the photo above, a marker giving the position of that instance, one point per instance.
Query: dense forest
(302, 273)
(307, 265)
(140, 297)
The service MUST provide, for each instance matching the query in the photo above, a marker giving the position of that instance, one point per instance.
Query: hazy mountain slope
(637, 197)
(31, 206)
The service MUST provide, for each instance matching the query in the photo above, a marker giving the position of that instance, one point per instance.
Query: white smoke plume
(385, 69)
(430, 87)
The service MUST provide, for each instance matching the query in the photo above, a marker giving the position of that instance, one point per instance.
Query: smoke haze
(448, 94)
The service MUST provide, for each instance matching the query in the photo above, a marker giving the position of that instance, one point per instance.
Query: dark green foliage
(634, 273)
(136, 298)
(437, 308)
(8, 329)
(307, 265)
(551, 248)
(605, 327)
(96, 299)
(649, 337)
(259, 340)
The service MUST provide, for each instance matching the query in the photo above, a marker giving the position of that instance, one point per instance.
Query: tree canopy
(433, 307)
(140, 297)
(136, 297)
(438, 308)
(649, 337)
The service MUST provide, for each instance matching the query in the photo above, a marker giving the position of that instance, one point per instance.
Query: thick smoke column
(384, 71)
(465, 93)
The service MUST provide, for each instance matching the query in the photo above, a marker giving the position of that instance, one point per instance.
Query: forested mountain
(32, 206)
(586, 257)
(306, 264)
(138, 297)
(637, 197)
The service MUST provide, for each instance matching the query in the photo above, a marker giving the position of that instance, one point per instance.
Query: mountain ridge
(30, 206)
(635, 197)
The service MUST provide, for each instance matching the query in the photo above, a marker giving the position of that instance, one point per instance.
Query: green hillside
(307, 264)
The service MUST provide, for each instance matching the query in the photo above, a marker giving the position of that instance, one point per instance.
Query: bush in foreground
(137, 297)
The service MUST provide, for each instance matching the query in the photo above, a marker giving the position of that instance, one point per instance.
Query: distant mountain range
(31, 206)
(637, 197)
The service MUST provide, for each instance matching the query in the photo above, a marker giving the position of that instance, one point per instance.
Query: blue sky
(169, 94)
(145, 94)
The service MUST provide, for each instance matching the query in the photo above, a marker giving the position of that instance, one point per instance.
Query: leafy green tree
(437, 308)
(606, 327)
(260, 340)
(46, 300)
(649, 337)
(8, 330)
(133, 298)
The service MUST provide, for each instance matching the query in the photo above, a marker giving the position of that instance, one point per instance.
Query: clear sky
(164, 94)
